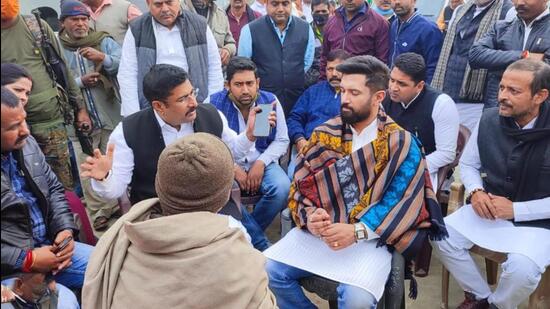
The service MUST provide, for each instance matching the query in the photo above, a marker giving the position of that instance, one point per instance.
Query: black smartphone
(63, 244)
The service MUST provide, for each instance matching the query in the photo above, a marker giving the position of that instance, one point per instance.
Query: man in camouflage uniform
(48, 108)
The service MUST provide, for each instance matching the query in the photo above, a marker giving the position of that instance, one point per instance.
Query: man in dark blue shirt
(318, 104)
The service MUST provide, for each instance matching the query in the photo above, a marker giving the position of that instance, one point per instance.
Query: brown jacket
(190, 260)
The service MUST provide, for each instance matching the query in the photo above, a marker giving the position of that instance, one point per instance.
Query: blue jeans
(257, 235)
(283, 282)
(73, 276)
(274, 189)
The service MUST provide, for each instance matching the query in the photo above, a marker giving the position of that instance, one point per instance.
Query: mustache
(505, 103)
(169, 14)
(345, 106)
(335, 79)
(21, 139)
(191, 111)
(521, 8)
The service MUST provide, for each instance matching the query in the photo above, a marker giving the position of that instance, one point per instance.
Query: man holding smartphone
(140, 138)
(258, 171)
(37, 224)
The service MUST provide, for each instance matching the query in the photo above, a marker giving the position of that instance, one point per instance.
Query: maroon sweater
(368, 35)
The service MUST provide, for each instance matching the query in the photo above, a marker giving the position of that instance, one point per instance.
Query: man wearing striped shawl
(361, 187)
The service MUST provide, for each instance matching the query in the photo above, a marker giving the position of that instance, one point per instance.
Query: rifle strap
(32, 24)
(34, 28)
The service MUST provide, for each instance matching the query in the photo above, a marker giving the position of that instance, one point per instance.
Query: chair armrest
(456, 198)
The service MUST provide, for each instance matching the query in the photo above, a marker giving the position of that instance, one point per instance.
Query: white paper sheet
(362, 264)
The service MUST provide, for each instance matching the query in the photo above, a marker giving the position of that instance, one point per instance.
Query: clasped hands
(490, 206)
(336, 235)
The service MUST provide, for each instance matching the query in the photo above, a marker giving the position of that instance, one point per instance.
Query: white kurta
(502, 235)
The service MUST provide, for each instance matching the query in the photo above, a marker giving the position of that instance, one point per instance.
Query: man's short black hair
(315, 3)
(239, 64)
(540, 70)
(159, 82)
(338, 54)
(376, 72)
(413, 65)
(9, 99)
(12, 72)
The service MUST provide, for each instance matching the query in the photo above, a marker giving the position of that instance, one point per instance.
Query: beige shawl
(191, 260)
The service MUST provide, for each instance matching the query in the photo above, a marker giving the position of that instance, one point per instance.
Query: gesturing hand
(99, 165)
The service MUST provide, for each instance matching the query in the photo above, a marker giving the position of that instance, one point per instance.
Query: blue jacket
(418, 35)
(317, 104)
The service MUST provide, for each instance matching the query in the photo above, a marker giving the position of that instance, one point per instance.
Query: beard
(351, 116)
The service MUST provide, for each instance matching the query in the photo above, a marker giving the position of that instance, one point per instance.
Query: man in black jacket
(37, 224)
(508, 41)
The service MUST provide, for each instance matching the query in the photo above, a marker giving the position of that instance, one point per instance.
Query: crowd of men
(365, 100)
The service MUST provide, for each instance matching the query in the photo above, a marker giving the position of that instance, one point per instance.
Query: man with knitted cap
(93, 58)
(180, 233)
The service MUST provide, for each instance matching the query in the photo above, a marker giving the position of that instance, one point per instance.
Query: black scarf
(536, 141)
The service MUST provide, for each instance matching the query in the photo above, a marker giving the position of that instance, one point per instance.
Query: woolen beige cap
(195, 173)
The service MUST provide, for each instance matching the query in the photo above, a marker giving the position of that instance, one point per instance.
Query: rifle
(57, 70)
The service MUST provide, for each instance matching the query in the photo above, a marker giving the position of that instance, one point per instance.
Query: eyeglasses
(191, 95)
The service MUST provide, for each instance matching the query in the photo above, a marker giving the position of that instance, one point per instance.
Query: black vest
(501, 164)
(417, 117)
(143, 135)
(280, 67)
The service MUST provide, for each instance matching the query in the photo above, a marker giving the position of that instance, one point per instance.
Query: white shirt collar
(163, 125)
(366, 136)
(405, 106)
(530, 125)
(160, 27)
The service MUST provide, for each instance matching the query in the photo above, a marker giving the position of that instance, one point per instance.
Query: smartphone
(63, 244)
(261, 126)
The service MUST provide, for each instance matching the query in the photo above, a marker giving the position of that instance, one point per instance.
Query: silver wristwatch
(360, 231)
